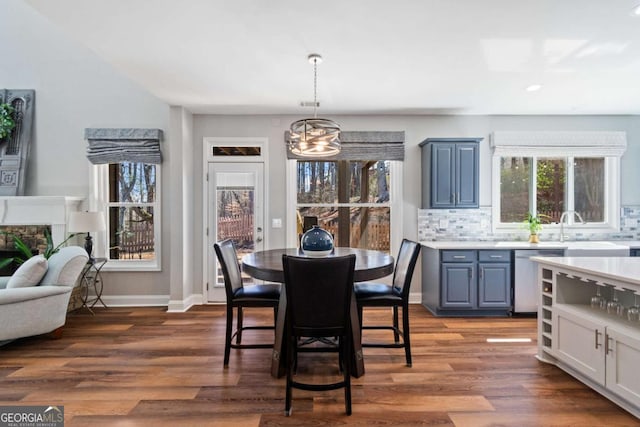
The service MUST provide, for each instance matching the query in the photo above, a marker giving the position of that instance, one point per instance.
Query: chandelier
(314, 137)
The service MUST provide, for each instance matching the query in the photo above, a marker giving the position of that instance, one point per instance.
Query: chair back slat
(405, 264)
(228, 258)
(319, 294)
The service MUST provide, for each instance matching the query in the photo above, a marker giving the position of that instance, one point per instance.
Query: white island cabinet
(599, 347)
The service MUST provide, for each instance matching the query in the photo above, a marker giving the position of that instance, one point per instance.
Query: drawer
(458, 256)
(494, 256)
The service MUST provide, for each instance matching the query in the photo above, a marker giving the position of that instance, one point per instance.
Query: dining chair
(369, 294)
(240, 296)
(318, 292)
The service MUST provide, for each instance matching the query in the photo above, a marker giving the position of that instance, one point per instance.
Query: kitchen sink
(595, 249)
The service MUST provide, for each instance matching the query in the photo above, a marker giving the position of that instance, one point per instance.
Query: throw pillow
(29, 273)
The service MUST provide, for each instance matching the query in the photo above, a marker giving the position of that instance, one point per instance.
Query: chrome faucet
(563, 216)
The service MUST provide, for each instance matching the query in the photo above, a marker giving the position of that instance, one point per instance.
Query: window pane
(132, 182)
(369, 182)
(236, 212)
(551, 189)
(589, 188)
(369, 228)
(317, 182)
(515, 177)
(131, 233)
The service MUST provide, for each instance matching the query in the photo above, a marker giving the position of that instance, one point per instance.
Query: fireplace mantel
(40, 210)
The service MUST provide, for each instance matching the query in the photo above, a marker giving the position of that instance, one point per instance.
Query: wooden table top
(267, 265)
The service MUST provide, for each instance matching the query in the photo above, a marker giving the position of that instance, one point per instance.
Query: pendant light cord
(315, 87)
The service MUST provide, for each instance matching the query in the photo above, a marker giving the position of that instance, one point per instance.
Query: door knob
(258, 239)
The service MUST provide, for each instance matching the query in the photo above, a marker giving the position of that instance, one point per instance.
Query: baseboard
(180, 306)
(135, 300)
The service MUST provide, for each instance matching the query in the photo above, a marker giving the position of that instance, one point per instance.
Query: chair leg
(289, 363)
(405, 332)
(396, 337)
(346, 362)
(239, 328)
(227, 341)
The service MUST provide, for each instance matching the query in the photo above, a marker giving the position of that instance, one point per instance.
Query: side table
(92, 278)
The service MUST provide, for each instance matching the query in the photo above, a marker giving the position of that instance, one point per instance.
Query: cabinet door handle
(458, 198)
(597, 334)
(459, 257)
(480, 272)
(452, 199)
(495, 256)
(608, 348)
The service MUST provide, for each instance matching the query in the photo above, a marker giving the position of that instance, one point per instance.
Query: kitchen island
(597, 346)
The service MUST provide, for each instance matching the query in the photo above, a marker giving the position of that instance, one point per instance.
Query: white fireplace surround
(40, 210)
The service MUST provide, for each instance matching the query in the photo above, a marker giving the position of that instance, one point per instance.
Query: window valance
(109, 145)
(373, 145)
(562, 143)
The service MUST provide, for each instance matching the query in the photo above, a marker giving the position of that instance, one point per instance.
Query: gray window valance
(374, 145)
(109, 145)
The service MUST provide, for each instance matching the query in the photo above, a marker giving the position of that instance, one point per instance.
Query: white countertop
(624, 269)
(461, 245)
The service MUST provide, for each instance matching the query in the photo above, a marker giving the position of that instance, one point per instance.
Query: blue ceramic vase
(317, 242)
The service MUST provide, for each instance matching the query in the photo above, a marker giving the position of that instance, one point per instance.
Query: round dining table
(267, 265)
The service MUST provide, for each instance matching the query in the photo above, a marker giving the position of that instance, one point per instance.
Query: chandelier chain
(315, 87)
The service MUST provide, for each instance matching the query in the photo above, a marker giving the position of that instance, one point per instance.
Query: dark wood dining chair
(369, 294)
(240, 296)
(319, 292)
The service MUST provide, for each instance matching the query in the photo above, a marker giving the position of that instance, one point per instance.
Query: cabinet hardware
(597, 334)
(608, 348)
(495, 256)
(459, 257)
(480, 272)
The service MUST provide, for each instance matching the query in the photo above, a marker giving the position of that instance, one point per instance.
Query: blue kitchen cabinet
(467, 282)
(450, 173)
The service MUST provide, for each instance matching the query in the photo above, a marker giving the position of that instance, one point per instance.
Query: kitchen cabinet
(450, 173)
(467, 282)
(600, 349)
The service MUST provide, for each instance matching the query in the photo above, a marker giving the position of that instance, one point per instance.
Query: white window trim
(394, 204)
(99, 201)
(610, 145)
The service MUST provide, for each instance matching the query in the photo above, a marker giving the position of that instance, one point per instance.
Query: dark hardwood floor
(146, 367)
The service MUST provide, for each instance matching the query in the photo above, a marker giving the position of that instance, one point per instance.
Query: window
(351, 199)
(128, 193)
(549, 186)
(553, 172)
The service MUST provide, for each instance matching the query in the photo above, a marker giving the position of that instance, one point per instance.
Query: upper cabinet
(450, 175)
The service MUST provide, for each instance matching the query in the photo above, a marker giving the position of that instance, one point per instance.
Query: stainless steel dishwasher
(525, 280)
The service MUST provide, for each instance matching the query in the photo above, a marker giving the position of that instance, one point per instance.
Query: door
(494, 285)
(623, 353)
(458, 285)
(466, 172)
(442, 176)
(235, 211)
(579, 342)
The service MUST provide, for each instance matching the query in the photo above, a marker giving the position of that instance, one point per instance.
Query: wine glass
(614, 306)
(596, 300)
(633, 314)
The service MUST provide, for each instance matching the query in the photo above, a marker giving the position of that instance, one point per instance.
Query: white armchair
(42, 307)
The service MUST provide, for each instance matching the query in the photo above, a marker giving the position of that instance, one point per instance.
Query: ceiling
(380, 57)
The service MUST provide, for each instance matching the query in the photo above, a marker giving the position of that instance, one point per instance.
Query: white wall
(73, 90)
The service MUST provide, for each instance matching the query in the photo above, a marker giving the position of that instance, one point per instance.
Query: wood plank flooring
(146, 367)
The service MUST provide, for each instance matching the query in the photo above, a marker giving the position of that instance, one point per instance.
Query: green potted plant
(534, 224)
(6, 120)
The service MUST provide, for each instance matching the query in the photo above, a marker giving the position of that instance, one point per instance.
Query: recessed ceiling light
(533, 88)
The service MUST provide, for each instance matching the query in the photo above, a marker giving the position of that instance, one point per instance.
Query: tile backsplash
(475, 224)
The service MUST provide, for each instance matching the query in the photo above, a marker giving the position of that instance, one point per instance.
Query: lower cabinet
(467, 282)
(604, 353)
